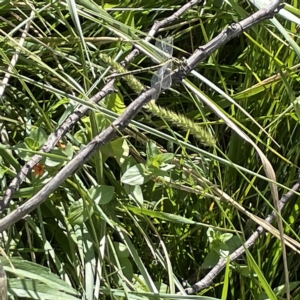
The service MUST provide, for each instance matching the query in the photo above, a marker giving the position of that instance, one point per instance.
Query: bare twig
(15, 57)
(82, 110)
(105, 136)
(226, 35)
(13, 61)
(208, 279)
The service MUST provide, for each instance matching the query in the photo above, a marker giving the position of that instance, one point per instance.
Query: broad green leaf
(211, 260)
(126, 267)
(136, 175)
(152, 151)
(101, 194)
(69, 151)
(164, 157)
(118, 149)
(27, 269)
(281, 290)
(32, 289)
(39, 136)
(79, 213)
(121, 249)
(233, 243)
(82, 136)
(226, 237)
(32, 143)
(135, 192)
(115, 103)
(22, 149)
(160, 173)
(58, 158)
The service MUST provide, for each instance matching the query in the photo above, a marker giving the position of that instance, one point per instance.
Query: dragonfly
(162, 79)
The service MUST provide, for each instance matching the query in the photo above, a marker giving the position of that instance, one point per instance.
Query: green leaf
(32, 289)
(68, 151)
(166, 216)
(115, 103)
(159, 173)
(21, 151)
(4, 3)
(135, 192)
(164, 157)
(39, 136)
(81, 136)
(281, 290)
(159, 160)
(226, 237)
(121, 250)
(101, 194)
(126, 267)
(222, 250)
(243, 270)
(102, 121)
(78, 213)
(118, 149)
(263, 282)
(152, 150)
(210, 260)
(31, 143)
(233, 243)
(36, 272)
(57, 159)
(136, 175)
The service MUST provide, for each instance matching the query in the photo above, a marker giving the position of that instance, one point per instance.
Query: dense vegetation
(154, 208)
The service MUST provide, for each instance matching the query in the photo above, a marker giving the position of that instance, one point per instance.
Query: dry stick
(13, 61)
(268, 170)
(208, 279)
(83, 155)
(230, 32)
(82, 110)
(15, 57)
(118, 125)
(193, 61)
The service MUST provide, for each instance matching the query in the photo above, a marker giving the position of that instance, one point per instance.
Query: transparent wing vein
(162, 79)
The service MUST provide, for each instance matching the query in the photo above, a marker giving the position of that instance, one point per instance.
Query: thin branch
(100, 140)
(15, 57)
(83, 110)
(208, 279)
(83, 155)
(226, 35)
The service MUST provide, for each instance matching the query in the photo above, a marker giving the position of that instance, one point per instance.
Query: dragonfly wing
(156, 82)
(167, 45)
(162, 78)
(158, 44)
(167, 78)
